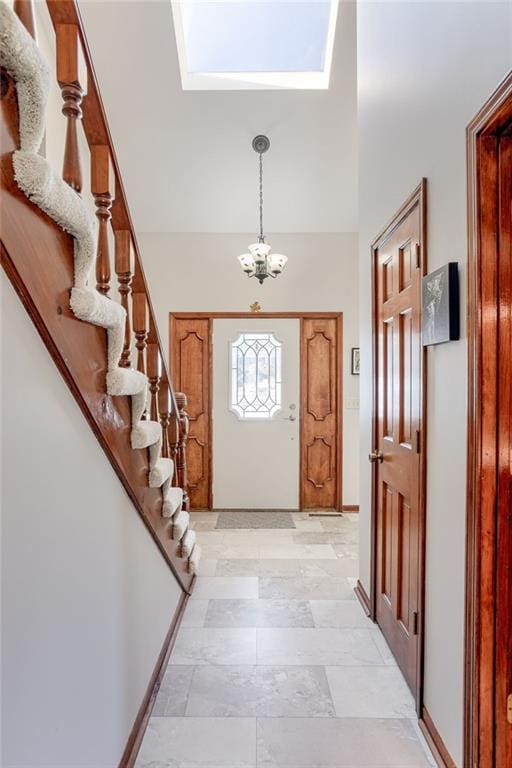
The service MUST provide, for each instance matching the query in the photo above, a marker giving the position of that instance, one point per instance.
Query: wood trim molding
(434, 741)
(363, 598)
(480, 641)
(252, 315)
(350, 508)
(140, 724)
(417, 198)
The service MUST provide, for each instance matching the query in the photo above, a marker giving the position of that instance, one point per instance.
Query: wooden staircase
(38, 258)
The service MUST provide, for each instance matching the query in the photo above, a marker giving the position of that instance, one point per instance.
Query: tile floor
(276, 665)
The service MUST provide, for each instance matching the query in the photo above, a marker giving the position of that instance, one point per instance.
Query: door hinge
(415, 622)
(509, 708)
(418, 441)
(417, 255)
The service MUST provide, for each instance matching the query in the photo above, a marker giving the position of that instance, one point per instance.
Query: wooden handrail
(29, 238)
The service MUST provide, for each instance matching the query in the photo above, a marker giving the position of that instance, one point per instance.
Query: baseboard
(362, 597)
(141, 721)
(350, 508)
(434, 741)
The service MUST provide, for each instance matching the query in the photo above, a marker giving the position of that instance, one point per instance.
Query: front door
(397, 436)
(256, 365)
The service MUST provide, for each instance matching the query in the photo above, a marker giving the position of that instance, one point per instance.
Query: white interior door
(256, 374)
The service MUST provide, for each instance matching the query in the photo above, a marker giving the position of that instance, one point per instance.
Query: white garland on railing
(21, 57)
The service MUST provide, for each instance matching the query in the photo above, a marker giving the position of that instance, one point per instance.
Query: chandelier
(260, 262)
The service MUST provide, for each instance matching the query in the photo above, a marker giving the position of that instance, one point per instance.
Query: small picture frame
(440, 305)
(354, 361)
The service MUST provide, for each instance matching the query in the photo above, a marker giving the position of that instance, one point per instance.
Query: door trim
(418, 198)
(301, 316)
(483, 415)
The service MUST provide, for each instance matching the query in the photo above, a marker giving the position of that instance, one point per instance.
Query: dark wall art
(440, 305)
(354, 361)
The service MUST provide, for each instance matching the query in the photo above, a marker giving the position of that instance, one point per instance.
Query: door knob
(376, 457)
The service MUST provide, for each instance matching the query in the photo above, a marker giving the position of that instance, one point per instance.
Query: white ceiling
(186, 157)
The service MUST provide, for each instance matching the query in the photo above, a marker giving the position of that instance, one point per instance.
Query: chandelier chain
(259, 262)
(262, 237)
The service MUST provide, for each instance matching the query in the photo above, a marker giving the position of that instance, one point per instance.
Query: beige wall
(424, 69)
(87, 598)
(200, 272)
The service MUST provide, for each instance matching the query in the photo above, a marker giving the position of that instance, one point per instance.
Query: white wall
(424, 69)
(86, 597)
(190, 272)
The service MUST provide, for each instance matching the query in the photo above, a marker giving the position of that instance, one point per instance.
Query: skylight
(238, 44)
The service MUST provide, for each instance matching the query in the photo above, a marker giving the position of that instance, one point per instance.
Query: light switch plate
(352, 403)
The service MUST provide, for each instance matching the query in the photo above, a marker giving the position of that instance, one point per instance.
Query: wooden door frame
(483, 417)
(418, 198)
(211, 316)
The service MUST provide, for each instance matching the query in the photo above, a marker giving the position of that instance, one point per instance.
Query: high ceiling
(186, 156)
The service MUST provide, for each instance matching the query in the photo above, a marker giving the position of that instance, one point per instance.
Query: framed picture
(355, 361)
(440, 305)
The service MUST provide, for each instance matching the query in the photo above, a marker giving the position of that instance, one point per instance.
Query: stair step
(161, 472)
(188, 542)
(180, 525)
(173, 500)
(195, 557)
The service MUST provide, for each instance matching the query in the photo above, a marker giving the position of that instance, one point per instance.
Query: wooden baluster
(181, 464)
(140, 327)
(164, 408)
(153, 361)
(24, 10)
(72, 78)
(123, 253)
(173, 431)
(103, 190)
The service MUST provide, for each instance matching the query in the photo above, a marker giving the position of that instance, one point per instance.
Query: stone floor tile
(171, 700)
(370, 692)
(330, 647)
(339, 613)
(306, 588)
(199, 742)
(245, 691)
(259, 613)
(338, 743)
(214, 646)
(222, 587)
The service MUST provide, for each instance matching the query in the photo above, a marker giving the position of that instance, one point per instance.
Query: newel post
(72, 78)
(181, 463)
(103, 190)
(123, 261)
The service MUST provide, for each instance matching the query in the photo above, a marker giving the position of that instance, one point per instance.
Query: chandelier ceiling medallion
(260, 262)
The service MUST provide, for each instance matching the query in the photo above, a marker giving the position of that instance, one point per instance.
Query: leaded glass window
(255, 375)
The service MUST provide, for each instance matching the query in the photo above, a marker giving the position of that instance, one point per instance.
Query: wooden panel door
(321, 413)
(191, 371)
(397, 437)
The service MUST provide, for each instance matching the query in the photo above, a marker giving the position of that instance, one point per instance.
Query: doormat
(254, 518)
